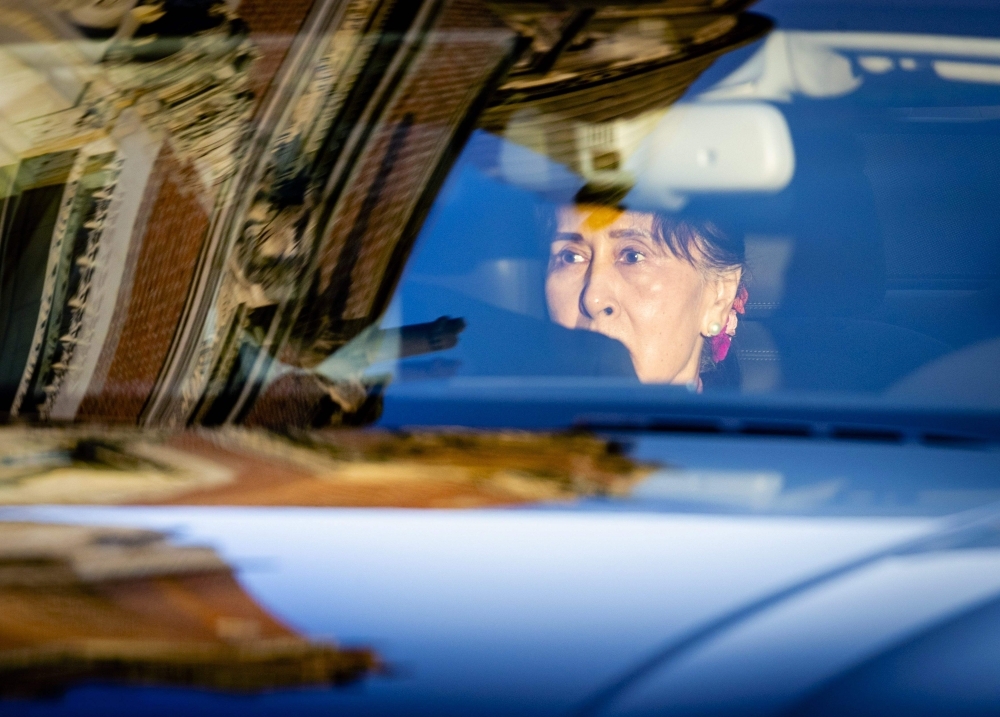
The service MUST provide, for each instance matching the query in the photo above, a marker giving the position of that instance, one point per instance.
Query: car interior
(866, 267)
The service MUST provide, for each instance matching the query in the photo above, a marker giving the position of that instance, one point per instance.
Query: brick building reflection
(81, 604)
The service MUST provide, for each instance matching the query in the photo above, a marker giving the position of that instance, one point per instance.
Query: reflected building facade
(203, 201)
(120, 605)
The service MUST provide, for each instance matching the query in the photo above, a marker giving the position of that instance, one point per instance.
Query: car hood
(602, 605)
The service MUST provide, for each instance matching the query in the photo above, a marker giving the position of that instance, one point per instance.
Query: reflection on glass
(210, 208)
(207, 200)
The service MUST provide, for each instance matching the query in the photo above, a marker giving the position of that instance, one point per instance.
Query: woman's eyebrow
(568, 236)
(630, 233)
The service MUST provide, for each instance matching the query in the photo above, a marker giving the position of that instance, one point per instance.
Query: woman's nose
(598, 298)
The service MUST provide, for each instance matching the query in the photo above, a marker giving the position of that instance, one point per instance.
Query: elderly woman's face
(608, 274)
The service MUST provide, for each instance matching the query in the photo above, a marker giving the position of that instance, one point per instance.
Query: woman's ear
(721, 289)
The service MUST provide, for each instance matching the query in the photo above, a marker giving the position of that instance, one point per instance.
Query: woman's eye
(631, 256)
(570, 257)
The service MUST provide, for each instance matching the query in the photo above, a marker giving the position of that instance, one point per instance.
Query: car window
(219, 213)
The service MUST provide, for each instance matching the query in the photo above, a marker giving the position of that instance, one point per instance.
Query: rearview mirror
(712, 147)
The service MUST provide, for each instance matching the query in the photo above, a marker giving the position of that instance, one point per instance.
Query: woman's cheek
(650, 299)
(561, 298)
(663, 315)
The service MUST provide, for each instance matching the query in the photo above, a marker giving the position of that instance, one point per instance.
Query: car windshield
(211, 217)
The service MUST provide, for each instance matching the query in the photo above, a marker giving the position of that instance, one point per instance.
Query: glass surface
(222, 213)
